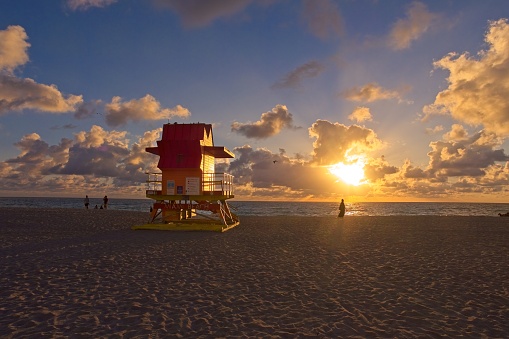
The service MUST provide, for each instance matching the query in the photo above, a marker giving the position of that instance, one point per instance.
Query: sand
(85, 274)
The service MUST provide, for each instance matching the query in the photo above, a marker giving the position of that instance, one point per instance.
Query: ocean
(273, 208)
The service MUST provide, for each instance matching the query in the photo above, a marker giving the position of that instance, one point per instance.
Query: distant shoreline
(285, 208)
(141, 197)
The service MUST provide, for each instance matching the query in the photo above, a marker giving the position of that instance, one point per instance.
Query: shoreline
(68, 272)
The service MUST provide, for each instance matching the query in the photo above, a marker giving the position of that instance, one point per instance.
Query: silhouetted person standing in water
(342, 209)
(86, 202)
(105, 202)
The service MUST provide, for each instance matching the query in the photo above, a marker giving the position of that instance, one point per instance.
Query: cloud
(197, 13)
(418, 21)
(270, 124)
(412, 181)
(18, 94)
(469, 157)
(99, 161)
(138, 161)
(369, 93)
(323, 18)
(467, 165)
(87, 109)
(496, 178)
(361, 114)
(86, 4)
(13, 48)
(37, 158)
(457, 133)
(260, 173)
(377, 169)
(102, 153)
(434, 130)
(477, 89)
(98, 137)
(95, 160)
(295, 78)
(96, 153)
(264, 174)
(147, 108)
(66, 126)
(334, 141)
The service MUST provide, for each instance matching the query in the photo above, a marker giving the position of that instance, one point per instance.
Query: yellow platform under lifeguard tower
(189, 195)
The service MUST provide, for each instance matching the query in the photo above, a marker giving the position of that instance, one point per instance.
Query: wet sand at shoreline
(78, 273)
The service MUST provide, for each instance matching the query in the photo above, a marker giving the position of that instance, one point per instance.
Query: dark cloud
(378, 169)
(411, 172)
(83, 5)
(260, 172)
(37, 157)
(465, 158)
(97, 159)
(87, 109)
(468, 165)
(295, 78)
(270, 124)
(66, 126)
(33, 150)
(100, 161)
(197, 13)
(323, 18)
(407, 30)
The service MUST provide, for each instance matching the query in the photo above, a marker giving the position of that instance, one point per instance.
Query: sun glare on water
(352, 173)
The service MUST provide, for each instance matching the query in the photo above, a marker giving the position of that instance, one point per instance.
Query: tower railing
(211, 184)
(217, 183)
(154, 184)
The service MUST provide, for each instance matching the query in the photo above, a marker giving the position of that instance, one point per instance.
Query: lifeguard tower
(188, 193)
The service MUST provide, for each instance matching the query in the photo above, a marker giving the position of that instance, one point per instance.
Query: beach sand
(86, 274)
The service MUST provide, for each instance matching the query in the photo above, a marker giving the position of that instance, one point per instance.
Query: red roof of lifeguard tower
(189, 141)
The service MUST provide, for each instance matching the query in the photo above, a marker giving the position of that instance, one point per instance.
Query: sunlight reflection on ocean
(268, 208)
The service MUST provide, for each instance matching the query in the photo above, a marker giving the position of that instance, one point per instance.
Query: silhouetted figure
(86, 202)
(105, 202)
(342, 209)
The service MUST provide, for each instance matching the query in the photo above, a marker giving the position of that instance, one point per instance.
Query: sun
(351, 173)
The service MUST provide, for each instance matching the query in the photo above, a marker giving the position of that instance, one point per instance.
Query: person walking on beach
(342, 209)
(86, 201)
(105, 202)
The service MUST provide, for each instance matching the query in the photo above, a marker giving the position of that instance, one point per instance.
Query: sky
(319, 100)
